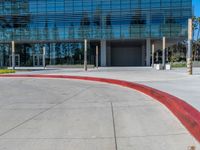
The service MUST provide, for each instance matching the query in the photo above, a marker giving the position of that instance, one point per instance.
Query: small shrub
(5, 71)
(179, 64)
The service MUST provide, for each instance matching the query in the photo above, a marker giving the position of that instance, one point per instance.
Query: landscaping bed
(5, 71)
(179, 64)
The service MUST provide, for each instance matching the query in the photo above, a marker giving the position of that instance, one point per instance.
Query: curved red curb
(188, 115)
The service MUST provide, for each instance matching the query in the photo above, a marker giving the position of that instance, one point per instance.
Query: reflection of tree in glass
(78, 55)
(137, 24)
(108, 25)
(58, 53)
(69, 47)
(21, 20)
(97, 22)
(84, 27)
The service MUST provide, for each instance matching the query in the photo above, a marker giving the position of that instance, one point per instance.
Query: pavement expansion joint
(114, 128)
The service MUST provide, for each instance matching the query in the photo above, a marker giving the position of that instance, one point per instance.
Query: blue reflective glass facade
(58, 21)
(92, 19)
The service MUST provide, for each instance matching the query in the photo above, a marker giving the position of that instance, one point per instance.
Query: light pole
(153, 51)
(97, 57)
(43, 57)
(85, 55)
(163, 53)
(189, 53)
(13, 55)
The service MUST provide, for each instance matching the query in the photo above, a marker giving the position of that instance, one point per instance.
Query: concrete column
(148, 52)
(108, 54)
(103, 53)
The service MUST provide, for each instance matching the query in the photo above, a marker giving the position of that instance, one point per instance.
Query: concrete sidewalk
(61, 114)
(175, 82)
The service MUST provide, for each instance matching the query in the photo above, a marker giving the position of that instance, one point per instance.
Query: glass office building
(122, 29)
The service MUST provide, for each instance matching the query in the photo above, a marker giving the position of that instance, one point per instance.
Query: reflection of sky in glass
(196, 4)
(95, 19)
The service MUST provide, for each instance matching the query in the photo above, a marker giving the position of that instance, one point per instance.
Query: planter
(168, 66)
(158, 66)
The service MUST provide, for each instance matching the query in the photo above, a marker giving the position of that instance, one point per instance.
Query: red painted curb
(188, 115)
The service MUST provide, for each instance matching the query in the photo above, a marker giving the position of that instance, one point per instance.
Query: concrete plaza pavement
(61, 114)
(176, 82)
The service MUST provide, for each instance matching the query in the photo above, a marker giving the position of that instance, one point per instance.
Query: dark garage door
(126, 56)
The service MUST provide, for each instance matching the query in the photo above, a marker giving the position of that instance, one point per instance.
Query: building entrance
(37, 60)
(17, 60)
(126, 53)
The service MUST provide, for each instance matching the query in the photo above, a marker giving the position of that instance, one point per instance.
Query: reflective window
(93, 19)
